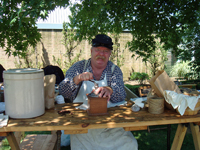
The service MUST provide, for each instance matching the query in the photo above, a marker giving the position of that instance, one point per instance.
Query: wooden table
(77, 121)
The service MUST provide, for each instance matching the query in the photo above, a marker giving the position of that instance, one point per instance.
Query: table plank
(135, 128)
(76, 131)
(3, 133)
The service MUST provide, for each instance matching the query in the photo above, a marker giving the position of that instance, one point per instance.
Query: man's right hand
(85, 76)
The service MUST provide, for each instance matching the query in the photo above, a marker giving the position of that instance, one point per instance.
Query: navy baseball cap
(102, 40)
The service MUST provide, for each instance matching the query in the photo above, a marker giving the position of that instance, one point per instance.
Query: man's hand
(85, 76)
(104, 91)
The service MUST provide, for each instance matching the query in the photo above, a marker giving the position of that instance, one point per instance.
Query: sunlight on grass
(5, 145)
(147, 143)
(137, 136)
(5, 148)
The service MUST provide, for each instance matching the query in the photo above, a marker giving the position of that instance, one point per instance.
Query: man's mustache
(100, 57)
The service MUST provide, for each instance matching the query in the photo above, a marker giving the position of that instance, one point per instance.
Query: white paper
(138, 101)
(3, 120)
(60, 99)
(135, 107)
(180, 101)
(110, 104)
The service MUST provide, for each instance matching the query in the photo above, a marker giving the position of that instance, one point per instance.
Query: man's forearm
(68, 89)
(117, 86)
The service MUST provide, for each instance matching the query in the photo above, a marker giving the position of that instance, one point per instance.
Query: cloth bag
(49, 91)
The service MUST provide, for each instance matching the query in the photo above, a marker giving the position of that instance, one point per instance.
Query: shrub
(190, 76)
(198, 86)
(140, 77)
(183, 69)
(133, 88)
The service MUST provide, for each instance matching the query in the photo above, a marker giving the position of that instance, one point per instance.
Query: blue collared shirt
(68, 89)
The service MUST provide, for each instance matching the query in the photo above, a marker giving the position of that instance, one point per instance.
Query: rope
(156, 105)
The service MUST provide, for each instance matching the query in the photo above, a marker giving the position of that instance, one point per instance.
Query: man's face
(100, 56)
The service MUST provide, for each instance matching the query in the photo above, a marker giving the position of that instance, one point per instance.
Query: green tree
(147, 20)
(140, 77)
(157, 59)
(29, 61)
(190, 48)
(18, 23)
(116, 55)
(70, 43)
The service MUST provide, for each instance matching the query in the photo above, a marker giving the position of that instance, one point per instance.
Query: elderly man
(109, 77)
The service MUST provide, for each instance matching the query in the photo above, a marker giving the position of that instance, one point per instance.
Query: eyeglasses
(102, 51)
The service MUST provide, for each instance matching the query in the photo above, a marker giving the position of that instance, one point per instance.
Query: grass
(153, 140)
(157, 139)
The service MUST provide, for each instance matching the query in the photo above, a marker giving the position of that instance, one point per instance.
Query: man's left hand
(104, 91)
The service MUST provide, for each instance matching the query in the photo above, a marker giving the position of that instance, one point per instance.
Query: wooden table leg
(195, 135)
(168, 136)
(18, 136)
(12, 141)
(179, 137)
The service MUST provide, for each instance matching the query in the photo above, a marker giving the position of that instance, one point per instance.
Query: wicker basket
(189, 112)
(169, 106)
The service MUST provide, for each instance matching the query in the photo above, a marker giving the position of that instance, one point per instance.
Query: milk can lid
(23, 71)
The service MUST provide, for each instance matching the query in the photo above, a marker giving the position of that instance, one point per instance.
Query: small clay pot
(97, 105)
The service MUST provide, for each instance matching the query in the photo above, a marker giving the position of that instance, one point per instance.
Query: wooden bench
(188, 86)
(41, 141)
(144, 90)
(129, 93)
